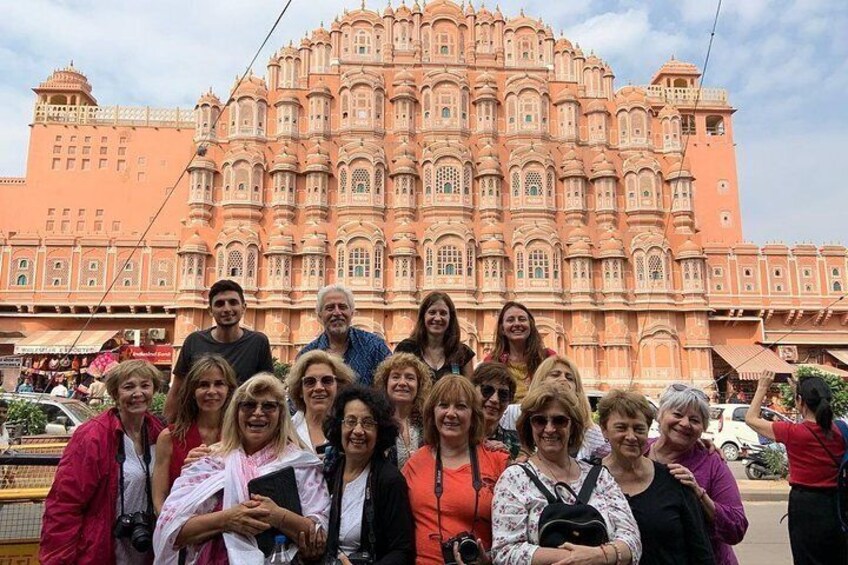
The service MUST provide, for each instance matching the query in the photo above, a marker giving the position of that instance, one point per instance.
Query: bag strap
(545, 492)
(829, 452)
(589, 484)
(843, 429)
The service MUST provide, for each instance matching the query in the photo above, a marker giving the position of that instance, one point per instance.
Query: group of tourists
(364, 456)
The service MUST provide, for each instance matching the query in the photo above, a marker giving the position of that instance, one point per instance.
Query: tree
(28, 415)
(281, 370)
(838, 387)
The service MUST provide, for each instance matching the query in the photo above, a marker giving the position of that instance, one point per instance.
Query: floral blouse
(518, 504)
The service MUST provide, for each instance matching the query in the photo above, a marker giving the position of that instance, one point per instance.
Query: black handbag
(579, 523)
(281, 487)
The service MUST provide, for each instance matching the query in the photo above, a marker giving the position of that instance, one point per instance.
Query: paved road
(767, 540)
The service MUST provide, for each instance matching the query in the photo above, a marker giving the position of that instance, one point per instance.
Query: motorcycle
(766, 462)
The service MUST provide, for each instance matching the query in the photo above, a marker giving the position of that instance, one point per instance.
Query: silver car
(63, 414)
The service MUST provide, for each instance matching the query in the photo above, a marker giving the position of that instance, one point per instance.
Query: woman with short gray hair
(683, 417)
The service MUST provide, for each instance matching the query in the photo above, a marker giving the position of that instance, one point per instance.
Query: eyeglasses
(503, 393)
(312, 382)
(368, 424)
(541, 422)
(250, 406)
(680, 387)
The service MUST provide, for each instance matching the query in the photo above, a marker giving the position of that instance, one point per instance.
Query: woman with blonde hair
(406, 382)
(201, 402)
(451, 478)
(313, 382)
(210, 511)
(561, 371)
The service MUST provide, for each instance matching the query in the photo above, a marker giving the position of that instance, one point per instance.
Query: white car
(63, 414)
(729, 431)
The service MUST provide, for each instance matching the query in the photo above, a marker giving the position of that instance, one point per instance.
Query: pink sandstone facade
(442, 147)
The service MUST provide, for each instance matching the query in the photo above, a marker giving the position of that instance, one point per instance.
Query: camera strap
(121, 457)
(438, 486)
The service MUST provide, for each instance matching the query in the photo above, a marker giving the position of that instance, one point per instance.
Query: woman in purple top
(683, 417)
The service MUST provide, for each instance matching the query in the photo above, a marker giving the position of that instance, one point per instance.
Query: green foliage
(776, 462)
(157, 406)
(281, 370)
(103, 406)
(838, 387)
(28, 415)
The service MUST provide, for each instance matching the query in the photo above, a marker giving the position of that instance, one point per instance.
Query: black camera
(138, 527)
(469, 551)
(357, 558)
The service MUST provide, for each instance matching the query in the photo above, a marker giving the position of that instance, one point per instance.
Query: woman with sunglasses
(370, 517)
(201, 402)
(496, 387)
(406, 382)
(435, 339)
(451, 478)
(211, 513)
(670, 520)
(815, 447)
(518, 345)
(683, 417)
(551, 424)
(313, 383)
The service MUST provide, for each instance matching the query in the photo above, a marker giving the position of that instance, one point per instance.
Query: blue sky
(784, 63)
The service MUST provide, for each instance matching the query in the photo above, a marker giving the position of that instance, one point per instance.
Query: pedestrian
(814, 447)
(362, 351)
(247, 351)
(60, 390)
(26, 385)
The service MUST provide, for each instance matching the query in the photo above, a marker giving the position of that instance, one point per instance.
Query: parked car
(63, 414)
(595, 396)
(729, 431)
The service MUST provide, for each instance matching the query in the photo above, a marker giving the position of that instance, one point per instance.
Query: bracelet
(604, 551)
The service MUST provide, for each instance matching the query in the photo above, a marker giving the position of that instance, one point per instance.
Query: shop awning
(827, 369)
(841, 355)
(751, 360)
(59, 342)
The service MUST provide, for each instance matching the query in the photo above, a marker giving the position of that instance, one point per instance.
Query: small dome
(320, 90)
(443, 8)
(316, 241)
(201, 163)
(611, 245)
(69, 79)
(317, 160)
(562, 44)
(602, 167)
(677, 168)
(668, 112)
(631, 95)
(252, 86)
(597, 106)
(209, 99)
(195, 244)
(488, 162)
(404, 76)
(580, 248)
(404, 243)
(403, 11)
(404, 161)
(285, 160)
(388, 11)
(320, 35)
(572, 165)
(689, 250)
(492, 246)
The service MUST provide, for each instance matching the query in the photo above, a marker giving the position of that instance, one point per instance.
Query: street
(767, 540)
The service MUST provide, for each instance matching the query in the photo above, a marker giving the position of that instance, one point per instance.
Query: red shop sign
(156, 354)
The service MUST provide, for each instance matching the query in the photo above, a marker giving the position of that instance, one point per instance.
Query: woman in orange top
(451, 478)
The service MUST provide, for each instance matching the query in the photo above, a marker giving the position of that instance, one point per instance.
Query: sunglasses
(368, 424)
(541, 422)
(312, 382)
(503, 393)
(680, 387)
(250, 406)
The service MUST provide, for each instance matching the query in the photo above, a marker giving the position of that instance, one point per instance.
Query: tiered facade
(428, 148)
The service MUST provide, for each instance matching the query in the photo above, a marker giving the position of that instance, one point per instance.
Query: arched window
(655, 268)
(519, 265)
(359, 263)
(539, 265)
(449, 261)
(23, 263)
(447, 180)
(362, 42)
(533, 184)
(361, 181)
(837, 286)
(22, 280)
(446, 112)
(235, 263)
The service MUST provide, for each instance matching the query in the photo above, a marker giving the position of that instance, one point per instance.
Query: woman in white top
(370, 515)
(313, 382)
(561, 371)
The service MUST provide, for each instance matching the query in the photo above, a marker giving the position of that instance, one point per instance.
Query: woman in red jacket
(99, 509)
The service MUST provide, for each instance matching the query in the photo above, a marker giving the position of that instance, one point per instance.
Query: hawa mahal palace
(419, 148)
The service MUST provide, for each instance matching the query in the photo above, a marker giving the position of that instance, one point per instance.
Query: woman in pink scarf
(209, 511)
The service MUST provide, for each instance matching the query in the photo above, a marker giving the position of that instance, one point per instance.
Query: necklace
(550, 470)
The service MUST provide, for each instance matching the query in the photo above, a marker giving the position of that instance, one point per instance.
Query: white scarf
(208, 476)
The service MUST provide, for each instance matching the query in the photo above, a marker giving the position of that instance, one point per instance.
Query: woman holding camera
(370, 518)
(100, 507)
(201, 402)
(435, 339)
(551, 424)
(406, 382)
(451, 478)
(815, 447)
(670, 520)
(519, 345)
(313, 382)
(211, 512)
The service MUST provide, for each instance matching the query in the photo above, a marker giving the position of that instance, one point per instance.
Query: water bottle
(279, 555)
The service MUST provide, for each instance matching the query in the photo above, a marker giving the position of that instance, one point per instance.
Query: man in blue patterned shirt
(361, 350)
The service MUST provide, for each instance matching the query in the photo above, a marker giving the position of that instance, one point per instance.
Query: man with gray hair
(361, 350)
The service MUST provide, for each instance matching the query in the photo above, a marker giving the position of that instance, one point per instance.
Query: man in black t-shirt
(247, 351)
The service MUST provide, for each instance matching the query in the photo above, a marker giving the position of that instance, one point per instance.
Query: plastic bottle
(279, 556)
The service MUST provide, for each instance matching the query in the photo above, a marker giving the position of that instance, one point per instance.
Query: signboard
(10, 369)
(156, 354)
